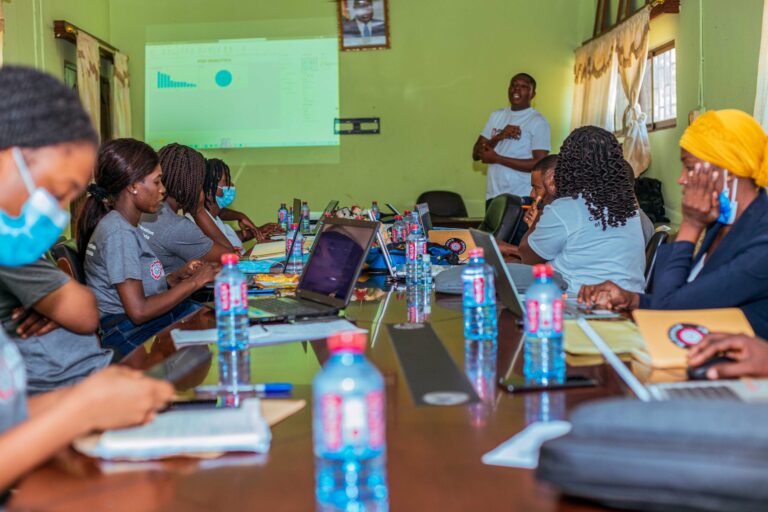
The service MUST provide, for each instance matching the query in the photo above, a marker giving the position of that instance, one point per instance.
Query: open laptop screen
(424, 216)
(337, 258)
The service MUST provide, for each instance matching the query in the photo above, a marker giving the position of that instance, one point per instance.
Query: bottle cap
(294, 226)
(407, 212)
(348, 341)
(398, 217)
(542, 271)
(327, 214)
(229, 259)
(374, 202)
(476, 252)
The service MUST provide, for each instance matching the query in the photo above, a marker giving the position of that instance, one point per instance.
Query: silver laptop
(746, 390)
(329, 277)
(506, 288)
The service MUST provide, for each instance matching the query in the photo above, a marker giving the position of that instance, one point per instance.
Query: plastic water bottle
(375, 210)
(418, 303)
(305, 226)
(426, 268)
(544, 359)
(414, 249)
(289, 239)
(282, 217)
(295, 252)
(415, 219)
(479, 299)
(348, 420)
(231, 290)
(397, 230)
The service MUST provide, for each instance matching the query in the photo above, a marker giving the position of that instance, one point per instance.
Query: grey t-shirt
(117, 252)
(13, 385)
(583, 253)
(174, 238)
(61, 357)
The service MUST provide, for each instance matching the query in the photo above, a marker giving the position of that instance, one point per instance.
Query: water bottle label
(376, 436)
(544, 320)
(478, 290)
(282, 216)
(243, 305)
(412, 251)
(330, 413)
(532, 316)
(225, 301)
(557, 315)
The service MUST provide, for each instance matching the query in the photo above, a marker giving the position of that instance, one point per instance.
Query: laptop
(329, 277)
(424, 217)
(381, 239)
(745, 390)
(506, 288)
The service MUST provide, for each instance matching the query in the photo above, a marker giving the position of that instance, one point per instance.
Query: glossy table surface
(433, 454)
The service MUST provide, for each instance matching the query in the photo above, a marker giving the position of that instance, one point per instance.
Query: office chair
(502, 217)
(657, 240)
(443, 203)
(67, 259)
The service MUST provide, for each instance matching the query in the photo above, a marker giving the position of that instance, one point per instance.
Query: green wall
(449, 66)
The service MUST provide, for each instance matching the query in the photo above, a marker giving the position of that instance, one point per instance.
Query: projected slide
(242, 93)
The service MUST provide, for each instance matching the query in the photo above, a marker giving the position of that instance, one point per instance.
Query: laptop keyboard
(289, 308)
(711, 392)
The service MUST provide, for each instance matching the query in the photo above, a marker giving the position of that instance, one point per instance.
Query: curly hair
(215, 168)
(183, 175)
(592, 165)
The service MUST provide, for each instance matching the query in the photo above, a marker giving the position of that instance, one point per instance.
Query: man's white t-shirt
(583, 253)
(534, 135)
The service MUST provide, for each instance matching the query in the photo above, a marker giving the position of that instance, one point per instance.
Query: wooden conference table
(433, 454)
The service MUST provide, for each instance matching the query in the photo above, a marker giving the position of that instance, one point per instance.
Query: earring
(134, 192)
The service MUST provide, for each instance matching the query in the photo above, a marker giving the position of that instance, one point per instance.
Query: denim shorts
(122, 335)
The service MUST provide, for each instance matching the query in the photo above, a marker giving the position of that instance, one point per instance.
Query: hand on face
(701, 205)
(751, 355)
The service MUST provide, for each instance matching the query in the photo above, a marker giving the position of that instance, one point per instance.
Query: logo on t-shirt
(157, 270)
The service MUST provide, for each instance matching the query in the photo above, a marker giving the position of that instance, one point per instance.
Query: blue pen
(268, 388)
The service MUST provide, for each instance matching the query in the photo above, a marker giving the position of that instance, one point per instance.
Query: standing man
(513, 141)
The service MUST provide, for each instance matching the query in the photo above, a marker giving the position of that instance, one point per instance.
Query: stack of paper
(185, 432)
(259, 335)
(268, 250)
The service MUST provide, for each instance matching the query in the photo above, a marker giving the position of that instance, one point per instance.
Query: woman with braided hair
(47, 154)
(725, 169)
(591, 231)
(174, 238)
(219, 195)
(136, 297)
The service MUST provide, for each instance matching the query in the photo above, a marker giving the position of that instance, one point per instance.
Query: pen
(271, 387)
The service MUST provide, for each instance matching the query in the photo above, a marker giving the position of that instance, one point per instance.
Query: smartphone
(517, 384)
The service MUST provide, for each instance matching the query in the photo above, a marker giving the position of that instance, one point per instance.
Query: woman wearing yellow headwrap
(725, 166)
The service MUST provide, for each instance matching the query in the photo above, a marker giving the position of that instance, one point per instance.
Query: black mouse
(700, 372)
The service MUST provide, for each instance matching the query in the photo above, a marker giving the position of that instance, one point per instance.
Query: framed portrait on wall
(363, 24)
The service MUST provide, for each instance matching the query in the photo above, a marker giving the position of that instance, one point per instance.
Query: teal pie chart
(223, 78)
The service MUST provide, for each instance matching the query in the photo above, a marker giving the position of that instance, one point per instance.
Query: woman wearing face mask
(725, 166)
(135, 296)
(47, 153)
(219, 196)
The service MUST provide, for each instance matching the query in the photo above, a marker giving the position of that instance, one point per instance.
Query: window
(658, 94)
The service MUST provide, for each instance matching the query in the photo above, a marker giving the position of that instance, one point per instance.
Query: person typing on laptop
(749, 355)
(725, 168)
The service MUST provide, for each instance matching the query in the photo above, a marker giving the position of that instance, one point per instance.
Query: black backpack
(648, 192)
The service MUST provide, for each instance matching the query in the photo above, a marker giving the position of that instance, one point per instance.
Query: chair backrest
(68, 260)
(503, 216)
(651, 248)
(443, 203)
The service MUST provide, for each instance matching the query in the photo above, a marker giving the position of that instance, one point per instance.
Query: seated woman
(47, 152)
(175, 239)
(219, 195)
(724, 170)
(52, 319)
(591, 230)
(136, 298)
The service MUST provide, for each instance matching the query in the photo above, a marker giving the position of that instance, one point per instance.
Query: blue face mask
(227, 198)
(25, 238)
(728, 204)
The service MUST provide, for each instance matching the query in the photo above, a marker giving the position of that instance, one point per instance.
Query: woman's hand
(701, 205)
(205, 274)
(751, 355)
(119, 397)
(608, 295)
(32, 323)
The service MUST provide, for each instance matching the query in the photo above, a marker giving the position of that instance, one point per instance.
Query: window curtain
(88, 62)
(594, 93)
(632, 41)
(121, 98)
(761, 99)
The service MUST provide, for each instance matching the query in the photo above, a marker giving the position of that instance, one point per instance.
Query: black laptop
(329, 276)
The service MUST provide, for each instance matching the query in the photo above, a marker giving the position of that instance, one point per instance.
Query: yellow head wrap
(730, 139)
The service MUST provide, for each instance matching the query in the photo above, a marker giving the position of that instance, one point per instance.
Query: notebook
(668, 334)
